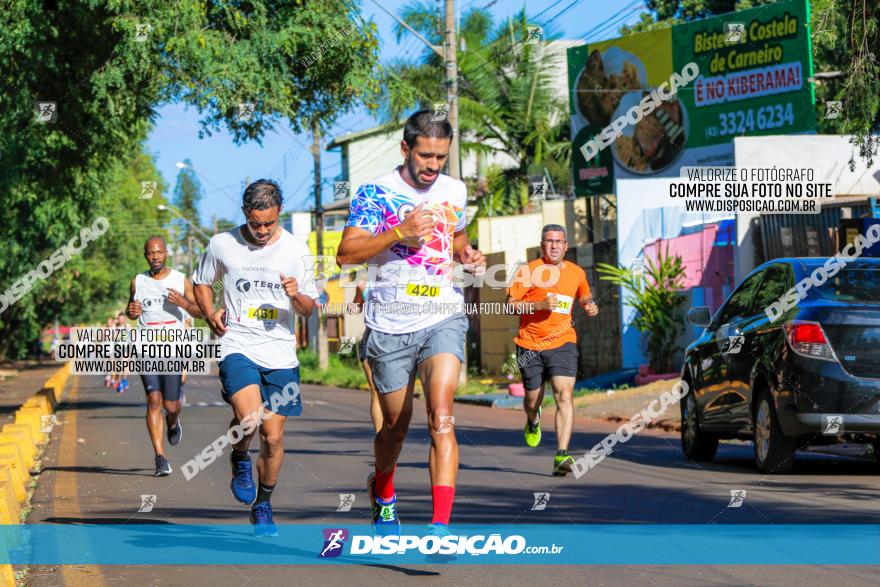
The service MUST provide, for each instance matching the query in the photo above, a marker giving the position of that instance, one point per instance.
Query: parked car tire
(774, 452)
(696, 444)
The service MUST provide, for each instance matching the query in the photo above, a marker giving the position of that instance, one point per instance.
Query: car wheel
(696, 444)
(774, 452)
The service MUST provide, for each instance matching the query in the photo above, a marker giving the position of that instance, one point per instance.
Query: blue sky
(223, 166)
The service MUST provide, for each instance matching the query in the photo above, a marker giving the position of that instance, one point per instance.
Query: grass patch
(343, 371)
(346, 371)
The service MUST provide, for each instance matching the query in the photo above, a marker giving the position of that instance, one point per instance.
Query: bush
(657, 302)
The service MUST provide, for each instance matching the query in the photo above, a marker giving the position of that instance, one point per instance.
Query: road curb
(21, 445)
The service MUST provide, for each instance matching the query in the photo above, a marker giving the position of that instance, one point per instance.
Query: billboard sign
(647, 104)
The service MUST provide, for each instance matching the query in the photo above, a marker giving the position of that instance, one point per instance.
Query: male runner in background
(413, 217)
(161, 298)
(546, 348)
(265, 280)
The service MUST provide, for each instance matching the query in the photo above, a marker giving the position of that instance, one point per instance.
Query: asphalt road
(100, 462)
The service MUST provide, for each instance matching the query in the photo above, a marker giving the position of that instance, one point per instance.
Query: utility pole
(450, 46)
(323, 350)
(448, 54)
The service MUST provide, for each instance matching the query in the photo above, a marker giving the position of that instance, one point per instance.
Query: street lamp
(163, 208)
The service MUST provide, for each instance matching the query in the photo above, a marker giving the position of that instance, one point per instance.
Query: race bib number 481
(263, 314)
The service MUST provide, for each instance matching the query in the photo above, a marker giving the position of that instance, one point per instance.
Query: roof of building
(361, 134)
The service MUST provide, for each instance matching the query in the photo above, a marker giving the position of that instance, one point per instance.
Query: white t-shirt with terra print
(259, 315)
(381, 205)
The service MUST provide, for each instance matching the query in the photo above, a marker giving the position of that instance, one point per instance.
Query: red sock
(384, 484)
(443, 497)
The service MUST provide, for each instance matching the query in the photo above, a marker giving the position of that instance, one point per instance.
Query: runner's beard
(414, 173)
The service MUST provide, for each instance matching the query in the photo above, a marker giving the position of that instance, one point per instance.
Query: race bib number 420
(422, 290)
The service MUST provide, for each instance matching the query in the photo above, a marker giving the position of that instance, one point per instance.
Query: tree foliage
(654, 293)
(107, 65)
(508, 105)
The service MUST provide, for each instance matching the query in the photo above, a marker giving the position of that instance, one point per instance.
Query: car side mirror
(699, 316)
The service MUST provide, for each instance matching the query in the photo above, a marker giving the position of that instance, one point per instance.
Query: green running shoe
(562, 465)
(532, 432)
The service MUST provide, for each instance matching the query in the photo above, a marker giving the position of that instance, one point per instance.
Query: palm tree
(508, 109)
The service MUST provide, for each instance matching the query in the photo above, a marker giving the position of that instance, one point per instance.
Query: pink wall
(706, 265)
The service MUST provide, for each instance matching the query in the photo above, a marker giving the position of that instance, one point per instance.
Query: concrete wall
(496, 330)
(510, 235)
(372, 156)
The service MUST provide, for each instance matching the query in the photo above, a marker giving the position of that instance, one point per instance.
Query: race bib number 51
(563, 304)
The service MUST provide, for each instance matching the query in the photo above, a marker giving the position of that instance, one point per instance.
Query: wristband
(398, 234)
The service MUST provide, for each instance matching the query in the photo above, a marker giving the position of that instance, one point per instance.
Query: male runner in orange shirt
(543, 294)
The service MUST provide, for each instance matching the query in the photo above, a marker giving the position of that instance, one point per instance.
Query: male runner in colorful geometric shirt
(161, 298)
(410, 224)
(266, 279)
(543, 293)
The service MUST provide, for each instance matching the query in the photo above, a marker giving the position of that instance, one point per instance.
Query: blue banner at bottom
(309, 544)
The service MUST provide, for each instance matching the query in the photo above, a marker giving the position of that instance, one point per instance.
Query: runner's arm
(358, 245)
(191, 306)
(132, 303)
(303, 304)
(361, 239)
(585, 298)
(204, 299)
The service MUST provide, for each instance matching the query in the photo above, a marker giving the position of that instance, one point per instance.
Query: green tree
(654, 293)
(846, 38)
(507, 106)
(107, 66)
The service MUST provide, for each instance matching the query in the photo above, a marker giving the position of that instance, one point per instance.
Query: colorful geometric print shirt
(412, 288)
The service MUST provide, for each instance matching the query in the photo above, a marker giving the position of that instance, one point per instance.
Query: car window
(737, 305)
(851, 285)
(776, 282)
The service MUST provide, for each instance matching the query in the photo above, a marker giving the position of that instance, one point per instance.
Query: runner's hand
(592, 309)
(290, 285)
(418, 224)
(548, 304)
(473, 260)
(217, 322)
(135, 309)
(175, 298)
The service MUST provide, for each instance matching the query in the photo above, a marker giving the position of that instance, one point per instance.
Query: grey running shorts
(393, 357)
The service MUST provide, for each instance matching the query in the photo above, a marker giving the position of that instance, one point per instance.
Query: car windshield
(851, 285)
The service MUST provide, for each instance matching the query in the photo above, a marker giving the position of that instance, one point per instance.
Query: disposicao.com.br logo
(474, 545)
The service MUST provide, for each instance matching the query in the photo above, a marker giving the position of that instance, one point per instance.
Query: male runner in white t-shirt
(161, 297)
(411, 224)
(266, 278)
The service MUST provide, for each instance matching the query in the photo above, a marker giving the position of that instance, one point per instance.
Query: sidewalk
(621, 405)
(28, 380)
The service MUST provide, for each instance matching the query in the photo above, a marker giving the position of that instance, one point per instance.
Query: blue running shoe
(261, 518)
(384, 513)
(441, 531)
(242, 484)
